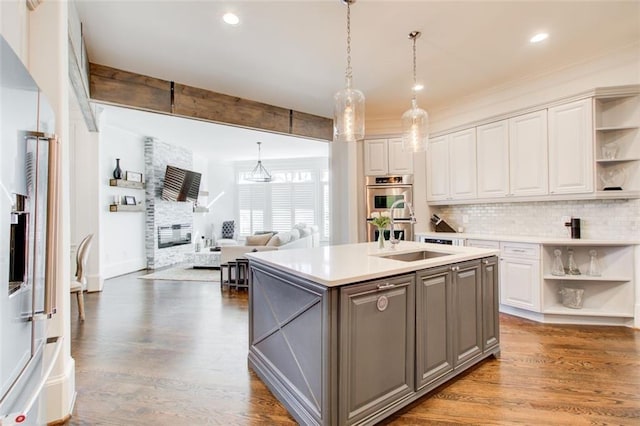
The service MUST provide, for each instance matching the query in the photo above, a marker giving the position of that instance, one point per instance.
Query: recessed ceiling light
(539, 37)
(231, 18)
(418, 87)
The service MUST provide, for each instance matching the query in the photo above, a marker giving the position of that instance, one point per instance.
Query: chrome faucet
(392, 236)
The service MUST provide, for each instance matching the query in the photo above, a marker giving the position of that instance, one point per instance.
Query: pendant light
(348, 109)
(259, 173)
(415, 121)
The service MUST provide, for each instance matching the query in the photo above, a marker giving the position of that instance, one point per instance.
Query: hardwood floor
(174, 353)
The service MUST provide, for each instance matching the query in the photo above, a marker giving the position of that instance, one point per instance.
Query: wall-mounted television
(181, 184)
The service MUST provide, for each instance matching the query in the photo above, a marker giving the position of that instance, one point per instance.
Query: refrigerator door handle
(57, 341)
(50, 288)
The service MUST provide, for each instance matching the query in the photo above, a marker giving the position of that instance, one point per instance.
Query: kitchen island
(349, 334)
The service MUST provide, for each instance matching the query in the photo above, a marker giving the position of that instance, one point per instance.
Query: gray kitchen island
(349, 334)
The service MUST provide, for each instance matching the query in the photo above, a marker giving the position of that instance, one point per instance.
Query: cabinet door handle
(384, 286)
(486, 262)
(455, 268)
(519, 250)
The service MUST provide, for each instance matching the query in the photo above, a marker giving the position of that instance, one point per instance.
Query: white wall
(84, 192)
(220, 179)
(122, 242)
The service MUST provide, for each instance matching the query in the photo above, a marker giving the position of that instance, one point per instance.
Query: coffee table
(204, 259)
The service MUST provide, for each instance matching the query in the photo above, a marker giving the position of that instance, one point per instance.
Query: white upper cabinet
(375, 157)
(528, 166)
(451, 166)
(571, 148)
(581, 148)
(400, 161)
(492, 152)
(386, 156)
(462, 164)
(438, 169)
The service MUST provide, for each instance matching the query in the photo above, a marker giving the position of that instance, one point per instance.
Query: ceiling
(292, 54)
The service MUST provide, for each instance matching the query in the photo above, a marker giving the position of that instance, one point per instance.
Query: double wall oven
(381, 192)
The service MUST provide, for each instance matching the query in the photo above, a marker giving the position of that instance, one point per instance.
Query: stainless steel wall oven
(381, 192)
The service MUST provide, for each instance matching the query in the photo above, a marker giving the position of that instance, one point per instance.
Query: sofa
(300, 236)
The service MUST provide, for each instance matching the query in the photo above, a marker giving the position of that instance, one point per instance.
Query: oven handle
(388, 186)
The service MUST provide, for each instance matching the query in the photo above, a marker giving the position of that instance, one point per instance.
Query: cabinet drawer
(484, 244)
(523, 250)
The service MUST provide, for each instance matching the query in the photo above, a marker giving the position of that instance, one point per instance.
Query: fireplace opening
(174, 235)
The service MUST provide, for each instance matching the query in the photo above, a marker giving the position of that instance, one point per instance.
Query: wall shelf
(126, 184)
(126, 208)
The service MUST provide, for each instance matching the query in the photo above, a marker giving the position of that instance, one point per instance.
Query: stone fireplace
(168, 223)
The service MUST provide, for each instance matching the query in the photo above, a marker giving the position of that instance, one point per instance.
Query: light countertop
(527, 239)
(350, 263)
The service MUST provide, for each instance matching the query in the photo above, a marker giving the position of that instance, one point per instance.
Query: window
(298, 193)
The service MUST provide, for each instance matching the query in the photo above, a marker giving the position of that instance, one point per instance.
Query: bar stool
(242, 273)
(229, 280)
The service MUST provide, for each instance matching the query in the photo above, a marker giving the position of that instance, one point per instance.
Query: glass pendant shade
(348, 103)
(348, 114)
(415, 128)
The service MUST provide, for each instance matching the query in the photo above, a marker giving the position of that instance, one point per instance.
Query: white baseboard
(94, 283)
(60, 393)
(121, 268)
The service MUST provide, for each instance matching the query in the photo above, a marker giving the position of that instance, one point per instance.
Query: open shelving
(617, 125)
(609, 295)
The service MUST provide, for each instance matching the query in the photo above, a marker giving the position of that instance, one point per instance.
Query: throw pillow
(305, 232)
(295, 234)
(258, 240)
(279, 239)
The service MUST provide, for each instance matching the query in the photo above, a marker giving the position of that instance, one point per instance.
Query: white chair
(228, 234)
(77, 286)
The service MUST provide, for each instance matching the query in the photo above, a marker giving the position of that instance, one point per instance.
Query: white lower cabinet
(602, 293)
(520, 275)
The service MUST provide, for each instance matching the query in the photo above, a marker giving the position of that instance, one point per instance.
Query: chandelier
(259, 173)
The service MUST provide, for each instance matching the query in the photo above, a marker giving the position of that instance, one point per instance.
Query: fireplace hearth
(174, 235)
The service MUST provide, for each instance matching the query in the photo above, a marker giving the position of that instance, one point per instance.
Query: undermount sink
(415, 255)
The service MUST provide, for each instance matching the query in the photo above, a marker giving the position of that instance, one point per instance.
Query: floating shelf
(122, 183)
(126, 208)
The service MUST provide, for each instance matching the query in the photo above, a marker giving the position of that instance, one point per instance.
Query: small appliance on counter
(439, 225)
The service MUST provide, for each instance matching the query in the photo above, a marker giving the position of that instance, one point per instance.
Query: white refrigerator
(27, 206)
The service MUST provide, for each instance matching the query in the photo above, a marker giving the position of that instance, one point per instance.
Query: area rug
(184, 273)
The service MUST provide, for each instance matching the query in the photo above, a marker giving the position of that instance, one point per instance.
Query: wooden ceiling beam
(123, 88)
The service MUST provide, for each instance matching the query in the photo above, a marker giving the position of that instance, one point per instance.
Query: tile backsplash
(600, 219)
